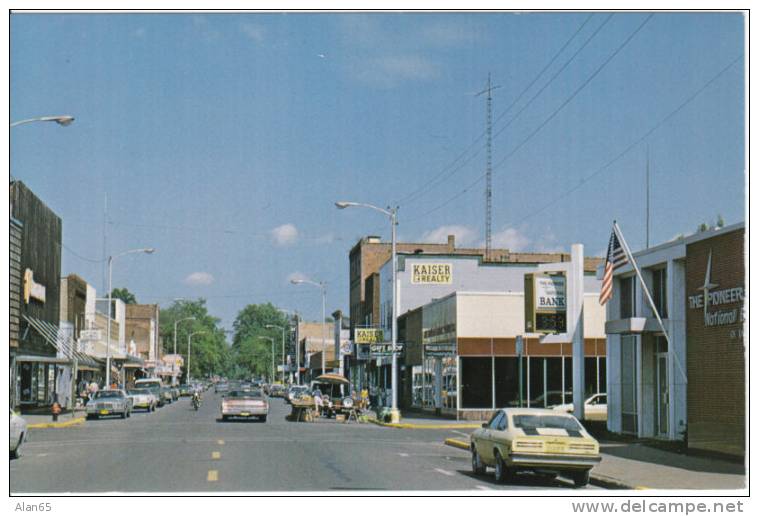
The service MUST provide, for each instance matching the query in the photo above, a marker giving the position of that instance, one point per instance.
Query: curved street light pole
(392, 213)
(272, 355)
(146, 250)
(175, 343)
(63, 120)
(283, 347)
(322, 286)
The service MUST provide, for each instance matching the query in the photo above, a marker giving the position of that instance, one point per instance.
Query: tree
(252, 355)
(210, 352)
(124, 294)
(705, 226)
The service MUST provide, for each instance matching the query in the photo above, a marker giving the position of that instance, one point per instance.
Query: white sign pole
(575, 326)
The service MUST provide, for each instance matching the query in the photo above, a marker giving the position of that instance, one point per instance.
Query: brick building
(691, 389)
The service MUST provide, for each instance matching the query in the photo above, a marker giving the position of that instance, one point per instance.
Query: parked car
(295, 391)
(17, 434)
(167, 395)
(277, 390)
(540, 440)
(154, 385)
(109, 402)
(142, 399)
(249, 403)
(174, 392)
(185, 390)
(595, 407)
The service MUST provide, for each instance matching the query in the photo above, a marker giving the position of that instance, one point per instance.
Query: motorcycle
(195, 401)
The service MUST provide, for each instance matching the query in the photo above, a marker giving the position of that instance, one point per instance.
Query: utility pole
(489, 169)
(648, 195)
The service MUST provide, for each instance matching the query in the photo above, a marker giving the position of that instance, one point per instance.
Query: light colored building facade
(692, 387)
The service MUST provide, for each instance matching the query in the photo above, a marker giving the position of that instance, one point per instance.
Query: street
(179, 450)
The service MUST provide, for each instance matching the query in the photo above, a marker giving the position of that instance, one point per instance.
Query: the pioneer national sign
(431, 273)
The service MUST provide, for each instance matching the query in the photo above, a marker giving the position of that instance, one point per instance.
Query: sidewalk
(417, 420)
(637, 466)
(45, 420)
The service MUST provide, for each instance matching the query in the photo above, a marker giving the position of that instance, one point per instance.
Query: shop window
(567, 379)
(476, 382)
(537, 382)
(659, 293)
(591, 377)
(507, 381)
(627, 297)
(554, 393)
(601, 374)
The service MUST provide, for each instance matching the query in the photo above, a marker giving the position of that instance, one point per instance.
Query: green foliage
(705, 226)
(210, 352)
(252, 354)
(124, 294)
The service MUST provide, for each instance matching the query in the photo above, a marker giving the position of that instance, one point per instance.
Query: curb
(64, 424)
(595, 479)
(419, 427)
(457, 443)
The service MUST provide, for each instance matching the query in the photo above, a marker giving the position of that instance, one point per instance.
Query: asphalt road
(179, 450)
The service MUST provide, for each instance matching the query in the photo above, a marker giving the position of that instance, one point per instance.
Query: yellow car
(539, 440)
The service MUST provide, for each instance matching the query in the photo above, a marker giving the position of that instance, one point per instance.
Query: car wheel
(124, 415)
(263, 419)
(502, 472)
(478, 468)
(582, 478)
(224, 418)
(90, 417)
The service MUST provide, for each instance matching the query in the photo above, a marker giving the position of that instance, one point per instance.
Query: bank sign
(712, 299)
(545, 302)
(431, 273)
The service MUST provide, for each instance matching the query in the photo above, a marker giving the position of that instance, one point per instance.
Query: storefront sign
(545, 302)
(550, 292)
(442, 330)
(436, 350)
(368, 335)
(384, 349)
(31, 289)
(431, 273)
(710, 298)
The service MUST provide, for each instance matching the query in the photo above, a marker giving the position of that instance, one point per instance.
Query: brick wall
(716, 354)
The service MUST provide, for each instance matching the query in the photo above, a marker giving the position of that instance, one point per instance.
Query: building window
(627, 297)
(628, 368)
(507, 381)
(660, 291)
(476, 382)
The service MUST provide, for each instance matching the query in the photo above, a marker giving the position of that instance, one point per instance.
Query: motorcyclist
(196, 399)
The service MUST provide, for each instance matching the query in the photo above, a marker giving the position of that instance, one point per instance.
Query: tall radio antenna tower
(489, 169)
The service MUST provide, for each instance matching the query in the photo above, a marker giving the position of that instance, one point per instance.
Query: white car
(142, 399)
(595, 407)
(17, 434)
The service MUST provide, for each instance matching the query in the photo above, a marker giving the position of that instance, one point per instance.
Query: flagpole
(650, 300)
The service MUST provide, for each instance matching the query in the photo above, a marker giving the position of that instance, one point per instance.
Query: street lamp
(63, 120)
(146, 250)
(322, 286)
(189, 351)
(392, 213)
(297, 344)
(175, 341)
(283, 347)
(272, 355)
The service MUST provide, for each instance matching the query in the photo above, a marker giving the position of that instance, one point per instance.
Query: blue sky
(223, 140)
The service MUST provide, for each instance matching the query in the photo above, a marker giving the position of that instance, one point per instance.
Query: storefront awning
(42, 359)
(64, 345)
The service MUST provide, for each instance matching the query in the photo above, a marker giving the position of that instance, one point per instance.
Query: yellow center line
(215, 455)
(213, 475)
(221, 442)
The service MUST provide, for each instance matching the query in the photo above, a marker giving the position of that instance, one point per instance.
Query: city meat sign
(431, 273)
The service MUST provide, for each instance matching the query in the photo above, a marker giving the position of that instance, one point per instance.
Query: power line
(443, 176)
(78, 255)
(548, 119)
(627, 149)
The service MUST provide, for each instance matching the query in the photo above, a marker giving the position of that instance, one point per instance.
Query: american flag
(615, 258)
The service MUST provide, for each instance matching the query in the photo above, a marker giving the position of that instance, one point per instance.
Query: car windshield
(545, 421)
(142, 392)
(245, 394)
(108, 394)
